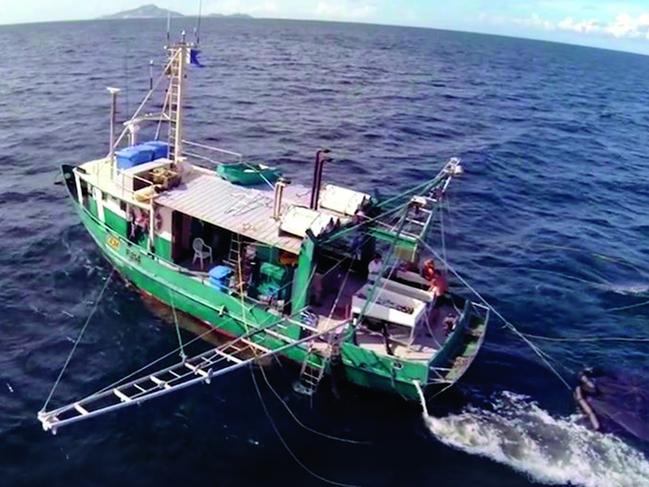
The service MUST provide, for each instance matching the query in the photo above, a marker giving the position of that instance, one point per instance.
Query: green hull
(172, 285)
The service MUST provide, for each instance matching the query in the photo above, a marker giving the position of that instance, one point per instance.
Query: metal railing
(215, 156)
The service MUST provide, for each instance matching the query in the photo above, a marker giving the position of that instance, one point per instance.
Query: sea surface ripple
(549, 223)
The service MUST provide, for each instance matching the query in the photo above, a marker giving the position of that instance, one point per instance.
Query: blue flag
(193, 58)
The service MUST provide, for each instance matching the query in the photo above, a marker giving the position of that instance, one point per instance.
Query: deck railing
(214, 156)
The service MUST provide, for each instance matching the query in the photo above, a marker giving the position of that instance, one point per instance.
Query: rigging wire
(198, 337)
(183, 356)
(631, 306)
(300, 423)
(589, 339)
(443, 238)
(198, 22)
(599, 255)
(283, 441)
(78, 340)
(542, 355)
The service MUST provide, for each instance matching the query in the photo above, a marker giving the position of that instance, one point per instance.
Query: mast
(179, 54)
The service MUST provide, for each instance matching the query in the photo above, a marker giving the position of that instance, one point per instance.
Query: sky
(620, 25)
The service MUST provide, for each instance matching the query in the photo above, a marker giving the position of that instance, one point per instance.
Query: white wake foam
(630, 289)
(518, 433)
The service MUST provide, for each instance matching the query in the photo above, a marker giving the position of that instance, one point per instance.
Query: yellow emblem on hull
(113, 242)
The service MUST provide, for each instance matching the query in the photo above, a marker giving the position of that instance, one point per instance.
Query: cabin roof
(243, 210)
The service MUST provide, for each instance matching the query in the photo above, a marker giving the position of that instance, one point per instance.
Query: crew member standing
(435, 277)
(374, 268)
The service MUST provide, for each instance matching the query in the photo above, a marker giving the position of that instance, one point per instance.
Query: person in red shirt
(435, 276)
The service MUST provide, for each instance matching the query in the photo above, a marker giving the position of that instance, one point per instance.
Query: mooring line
(300, 423)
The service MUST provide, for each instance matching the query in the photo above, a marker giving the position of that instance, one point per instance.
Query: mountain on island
(151, 11)
(144, 12)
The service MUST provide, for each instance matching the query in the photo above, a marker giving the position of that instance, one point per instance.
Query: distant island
(151, 11)
(144, 12)
(232, 16)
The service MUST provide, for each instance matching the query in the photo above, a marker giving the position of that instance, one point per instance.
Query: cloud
(536, 22)
(261, 7)
(623, 26)
(345, 9)
(627, 26)
(581, 26)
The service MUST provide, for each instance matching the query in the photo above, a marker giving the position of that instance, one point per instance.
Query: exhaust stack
(279, 194)
(320, 158)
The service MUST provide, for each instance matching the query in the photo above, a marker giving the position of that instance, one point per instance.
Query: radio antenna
(168, 27)
(197, 30)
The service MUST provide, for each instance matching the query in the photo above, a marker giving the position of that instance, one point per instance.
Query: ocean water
(549, 223)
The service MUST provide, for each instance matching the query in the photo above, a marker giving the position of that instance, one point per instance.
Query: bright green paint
(116, 222)
(163, 248)
(303, 274)
(231, 316)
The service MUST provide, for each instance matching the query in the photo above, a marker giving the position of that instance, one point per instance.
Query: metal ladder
(199, 369)
(234, 254)
(172, 94)
(237, 261)
(312, 372)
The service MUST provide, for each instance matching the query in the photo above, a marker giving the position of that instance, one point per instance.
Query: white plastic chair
(201, 251)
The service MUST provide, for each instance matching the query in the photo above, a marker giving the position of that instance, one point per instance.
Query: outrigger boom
(200, 369)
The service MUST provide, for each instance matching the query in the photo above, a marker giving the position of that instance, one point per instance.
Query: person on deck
(374, 268)
(436, 277)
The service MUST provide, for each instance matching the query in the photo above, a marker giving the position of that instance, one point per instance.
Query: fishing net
(621, 403)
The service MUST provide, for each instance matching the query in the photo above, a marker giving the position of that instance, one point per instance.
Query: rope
(441, 226)
(198, 337)
(370, 294)
(283, 441)
(342, 289)
(589, 339)
(76, 342)
(183, 356)
(427, 184)
(542, 355)
(622, 308)
(300, 423)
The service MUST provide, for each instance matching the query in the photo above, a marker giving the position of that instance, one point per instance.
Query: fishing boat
(333, 279)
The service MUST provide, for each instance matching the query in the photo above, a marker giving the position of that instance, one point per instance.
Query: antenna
(168, 27)
(197, 30)
(150, 74)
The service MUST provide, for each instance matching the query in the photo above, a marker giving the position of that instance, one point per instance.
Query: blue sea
(549, 223)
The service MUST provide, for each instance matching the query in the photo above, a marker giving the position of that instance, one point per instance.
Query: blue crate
(160, 148)
(133, 156)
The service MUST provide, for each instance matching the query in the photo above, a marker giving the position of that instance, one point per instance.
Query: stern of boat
(461, 347)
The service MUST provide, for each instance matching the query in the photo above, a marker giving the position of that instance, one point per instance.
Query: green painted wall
(302, 276)
(116, 222)
(163, 248)
(92, 206)
(383, 372)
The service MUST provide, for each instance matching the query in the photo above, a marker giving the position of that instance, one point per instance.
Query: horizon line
(252, 18)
